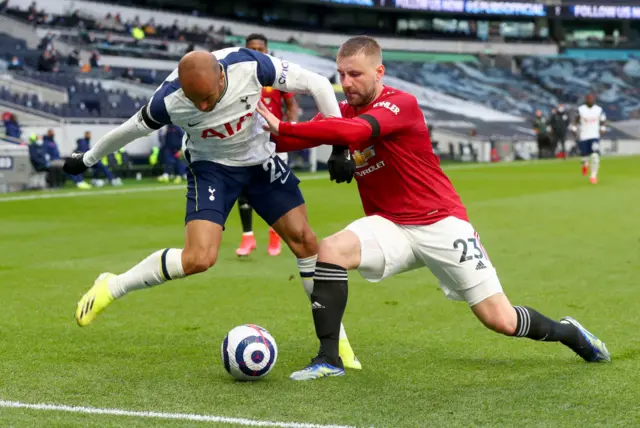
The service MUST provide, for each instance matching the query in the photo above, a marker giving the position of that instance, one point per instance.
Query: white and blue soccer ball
(249, 352)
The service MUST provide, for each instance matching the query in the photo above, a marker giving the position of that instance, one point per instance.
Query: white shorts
(450, 248)
(284, 156)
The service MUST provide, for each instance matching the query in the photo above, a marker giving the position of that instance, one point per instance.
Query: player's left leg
(378, 249)
(248, 242)
(497, 314)
(274, 247)
(595, 161)
(276, 198)
(467, 274)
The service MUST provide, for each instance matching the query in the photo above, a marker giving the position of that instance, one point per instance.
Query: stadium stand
(488, 96)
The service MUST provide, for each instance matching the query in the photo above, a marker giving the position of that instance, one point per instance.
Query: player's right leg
(248, 242)
(210, 196)
(452, 250)
(378, 249)
(585, 150)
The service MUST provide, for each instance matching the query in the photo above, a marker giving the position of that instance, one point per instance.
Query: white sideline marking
(142, 189)
(163, 415)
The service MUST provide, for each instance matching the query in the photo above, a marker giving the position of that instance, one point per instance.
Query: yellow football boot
(94, 301)
(349, 359)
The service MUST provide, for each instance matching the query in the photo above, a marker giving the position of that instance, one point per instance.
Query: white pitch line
(162, 415)
(141, 189)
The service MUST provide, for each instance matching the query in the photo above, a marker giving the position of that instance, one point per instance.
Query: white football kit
(590, 120)
(228, 151)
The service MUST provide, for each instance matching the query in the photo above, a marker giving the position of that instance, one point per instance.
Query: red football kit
(273, 99)
(398, 175)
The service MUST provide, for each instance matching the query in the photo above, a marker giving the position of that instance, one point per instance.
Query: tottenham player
(414, 217)
(274, 100)
(589, 125)
(213, 96)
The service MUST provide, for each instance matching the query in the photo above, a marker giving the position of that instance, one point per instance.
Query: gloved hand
(341, 165)
(74, 164)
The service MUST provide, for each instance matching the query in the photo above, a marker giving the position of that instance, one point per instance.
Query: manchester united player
(273, 99)
(414, 217)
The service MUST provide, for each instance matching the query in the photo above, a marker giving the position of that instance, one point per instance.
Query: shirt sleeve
(384, 118)
(119, 137)
(392, 114)
(155, 114)
(290, 77)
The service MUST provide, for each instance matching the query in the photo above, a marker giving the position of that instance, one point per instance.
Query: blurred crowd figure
(551, 132)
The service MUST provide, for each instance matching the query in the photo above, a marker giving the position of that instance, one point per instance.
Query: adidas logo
(316, 305)
(480, 265)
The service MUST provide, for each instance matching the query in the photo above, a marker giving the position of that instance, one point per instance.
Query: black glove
(74, 164)
(341, 165)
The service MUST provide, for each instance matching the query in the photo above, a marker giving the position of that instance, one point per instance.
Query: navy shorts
(588, 147)
(271, 188)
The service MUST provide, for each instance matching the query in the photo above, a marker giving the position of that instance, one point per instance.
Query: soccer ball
(249, 352)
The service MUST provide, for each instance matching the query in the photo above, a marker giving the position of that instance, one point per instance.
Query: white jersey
(231, 133)
(591, 118)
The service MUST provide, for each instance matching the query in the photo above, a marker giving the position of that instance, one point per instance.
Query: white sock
(343, 334)
(595, 164)
(307, 268)
(585, 161)
(159, 267)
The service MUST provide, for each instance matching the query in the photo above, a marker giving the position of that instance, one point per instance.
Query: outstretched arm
(139, 125)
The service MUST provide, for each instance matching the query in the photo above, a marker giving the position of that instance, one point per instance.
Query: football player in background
(590, 124)
(274, 100)
(414, 216)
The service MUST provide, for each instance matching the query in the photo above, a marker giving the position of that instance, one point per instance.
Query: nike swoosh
(195, 124)
(284, 180)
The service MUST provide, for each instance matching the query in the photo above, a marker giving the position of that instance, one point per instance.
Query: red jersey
(273, 99)
(398, 175)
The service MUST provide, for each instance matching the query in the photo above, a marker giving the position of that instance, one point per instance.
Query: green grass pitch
(560, 245)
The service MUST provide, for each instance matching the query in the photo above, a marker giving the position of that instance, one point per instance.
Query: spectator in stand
(150, 27)
(89, 38)
(175, 30)
(109, 40)
(73, 60)
(53, 155)
(46, 41)
(94, 61)
(37, 154)
(15, 63)
(129, 74)
(11, 125)
(47, 62)
(4, 5)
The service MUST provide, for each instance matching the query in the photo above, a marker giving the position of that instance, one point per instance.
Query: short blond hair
(361, 44)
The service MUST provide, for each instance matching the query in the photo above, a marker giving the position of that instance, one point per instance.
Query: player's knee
(333, 250)
(194, 262)
(497, 314)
